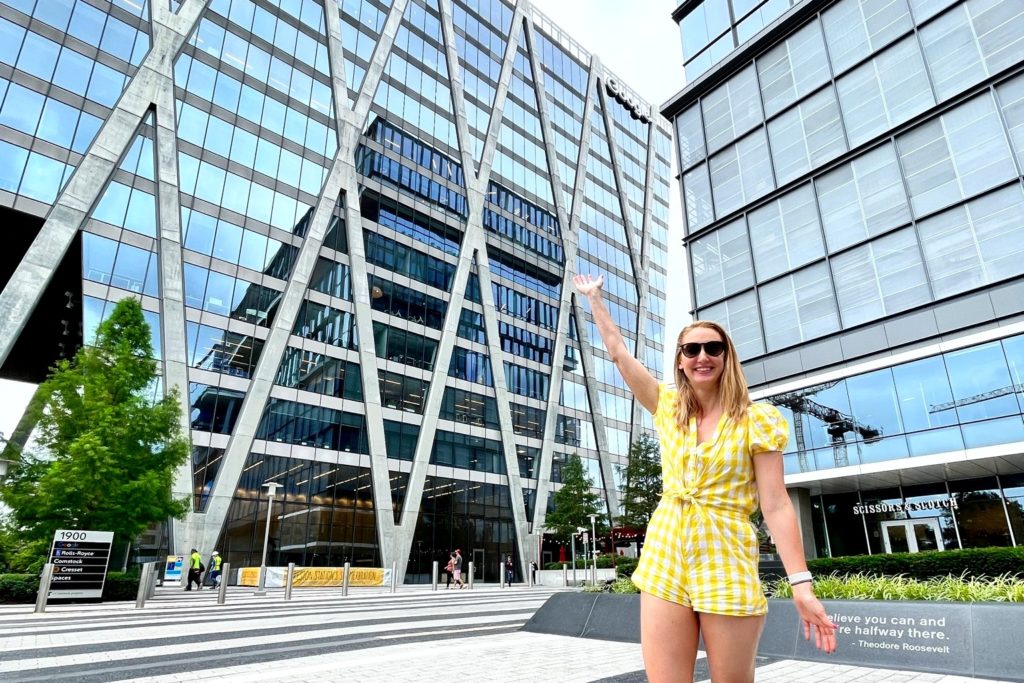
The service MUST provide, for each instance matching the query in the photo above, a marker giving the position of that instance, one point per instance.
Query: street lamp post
(272, 487)
(593, 536)
(579, 530)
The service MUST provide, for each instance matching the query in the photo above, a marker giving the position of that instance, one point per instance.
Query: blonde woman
(721, 456)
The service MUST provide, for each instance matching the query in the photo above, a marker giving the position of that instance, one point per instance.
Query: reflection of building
(851, 174)
(368, 218)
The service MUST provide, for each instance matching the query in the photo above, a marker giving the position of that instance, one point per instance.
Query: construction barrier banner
(367, 576)
(315, 576)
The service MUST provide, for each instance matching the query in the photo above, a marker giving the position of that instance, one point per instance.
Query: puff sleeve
(665, 415)
(767, 429)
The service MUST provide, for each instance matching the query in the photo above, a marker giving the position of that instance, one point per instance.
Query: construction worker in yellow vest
(195, 570)
(213, 576)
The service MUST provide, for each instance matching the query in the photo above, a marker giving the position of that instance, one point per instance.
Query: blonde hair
(732, 386)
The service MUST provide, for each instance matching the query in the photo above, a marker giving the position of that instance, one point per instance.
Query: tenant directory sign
(79, 560)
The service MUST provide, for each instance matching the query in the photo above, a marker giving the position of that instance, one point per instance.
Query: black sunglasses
(693, 349)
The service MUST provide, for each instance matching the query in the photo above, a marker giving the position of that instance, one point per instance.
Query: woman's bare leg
(731, 646)
(668, 637)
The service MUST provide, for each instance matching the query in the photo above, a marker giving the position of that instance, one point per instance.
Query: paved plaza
(413, 635)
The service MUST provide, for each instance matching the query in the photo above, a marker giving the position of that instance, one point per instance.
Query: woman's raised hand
(588, 285)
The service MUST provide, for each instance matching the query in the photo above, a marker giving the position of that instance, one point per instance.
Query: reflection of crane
(977, 398)
(837, 424)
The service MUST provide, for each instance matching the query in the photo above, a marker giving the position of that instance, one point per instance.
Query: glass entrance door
(911, 535)
(478, 564)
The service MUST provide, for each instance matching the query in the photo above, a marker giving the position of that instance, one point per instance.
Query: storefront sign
(636, 108)
(79, 560)
(172, 570)
(906, 506)
(315, 576)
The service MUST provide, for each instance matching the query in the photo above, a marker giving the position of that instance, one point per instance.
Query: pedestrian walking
(214, 574)
(457, 568)
(449, 569)
(195, 570)
(509, 570)
(721, 455)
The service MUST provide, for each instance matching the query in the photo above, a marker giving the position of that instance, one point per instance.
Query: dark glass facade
(357, 277)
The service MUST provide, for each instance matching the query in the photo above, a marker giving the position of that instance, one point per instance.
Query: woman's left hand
(813, 617)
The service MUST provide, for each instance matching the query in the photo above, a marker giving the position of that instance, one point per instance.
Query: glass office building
(851, 174)
(352, 225)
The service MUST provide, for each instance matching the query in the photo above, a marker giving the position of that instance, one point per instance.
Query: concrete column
(801, 501)
(474, 250)
(341, 178)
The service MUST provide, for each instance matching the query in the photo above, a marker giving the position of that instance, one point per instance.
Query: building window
(975, 244)
(732, 109)
(862, 198)
(741, 173)
(786, 233)
(806, 136)
(880, 278)
(721, 262)
(856, 28)
(884, 92)
(959, 154)
(793, 68)
(798, 307)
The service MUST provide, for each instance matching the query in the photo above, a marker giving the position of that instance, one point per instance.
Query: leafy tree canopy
(110, 450)
(642, 476)
(574, 503)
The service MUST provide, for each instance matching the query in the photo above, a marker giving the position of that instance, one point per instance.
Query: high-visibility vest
(196, 561)
(216, 563)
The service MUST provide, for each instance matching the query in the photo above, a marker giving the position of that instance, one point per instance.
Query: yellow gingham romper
(701, 549)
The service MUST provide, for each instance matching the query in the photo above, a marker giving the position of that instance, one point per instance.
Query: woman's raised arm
(640, 381)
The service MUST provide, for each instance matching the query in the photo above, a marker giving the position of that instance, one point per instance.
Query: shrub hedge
(970, 563)
(18, 588)
(23, 588)
(946, 588)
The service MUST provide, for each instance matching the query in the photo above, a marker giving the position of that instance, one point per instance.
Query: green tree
(642, 476)
(574, 503)
(109, 451)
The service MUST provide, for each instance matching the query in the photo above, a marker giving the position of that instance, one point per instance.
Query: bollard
(44, 588)
(154, 576)
(529, 577)
(433, 577)
(140, 597)
(565, 575)
(501, 575)
(394, 575)
(469, 584)
(288, 581)
(344, 580)
(222, 589)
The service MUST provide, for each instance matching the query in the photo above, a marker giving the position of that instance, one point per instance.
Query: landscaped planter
(968, 639)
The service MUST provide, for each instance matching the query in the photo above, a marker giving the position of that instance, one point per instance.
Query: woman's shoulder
(764, 412)
(668, 394)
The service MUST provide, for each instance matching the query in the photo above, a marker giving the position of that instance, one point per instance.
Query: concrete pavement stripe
(128, 611)
(176, 669)
(213, 645)
(511, 656)
(224, 615)
(128, 639)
